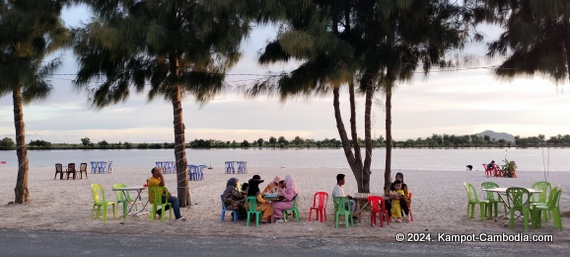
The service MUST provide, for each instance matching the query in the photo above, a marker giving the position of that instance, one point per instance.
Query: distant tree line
(435, 141)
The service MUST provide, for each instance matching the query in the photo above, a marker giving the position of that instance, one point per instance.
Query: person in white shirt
(339, 192)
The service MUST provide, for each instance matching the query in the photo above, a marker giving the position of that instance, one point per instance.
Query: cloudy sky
(464, 101)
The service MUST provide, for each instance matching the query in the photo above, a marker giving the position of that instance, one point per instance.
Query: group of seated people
(396, 198)
(283, 192)
(494, 170)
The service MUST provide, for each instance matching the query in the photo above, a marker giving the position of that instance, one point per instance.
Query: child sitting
(398, 193)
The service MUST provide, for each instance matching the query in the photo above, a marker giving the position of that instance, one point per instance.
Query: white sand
(439, 204)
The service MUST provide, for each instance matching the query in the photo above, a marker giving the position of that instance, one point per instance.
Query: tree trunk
(354, 159)
(21, 190)
(368, 137)
(180, 150)
(387, 169)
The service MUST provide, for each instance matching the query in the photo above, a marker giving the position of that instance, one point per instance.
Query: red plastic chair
(488, 171)
(378, 206)
(319, 205)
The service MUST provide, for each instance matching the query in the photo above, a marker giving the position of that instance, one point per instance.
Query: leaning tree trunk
(180, 150)
(388, 167)
(21, 190)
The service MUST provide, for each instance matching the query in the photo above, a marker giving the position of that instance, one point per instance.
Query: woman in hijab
(253, 190)
(271, 188)
(233, 199)
(289, 193)
(405, 200)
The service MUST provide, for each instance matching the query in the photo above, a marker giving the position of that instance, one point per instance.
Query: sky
(460, 102)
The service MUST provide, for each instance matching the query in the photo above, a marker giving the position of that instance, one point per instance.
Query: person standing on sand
(158, 180)
(289, 193)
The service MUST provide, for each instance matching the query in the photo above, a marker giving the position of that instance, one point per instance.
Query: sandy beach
(439, 205)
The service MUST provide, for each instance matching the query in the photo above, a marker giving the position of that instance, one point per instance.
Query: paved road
(49, 243)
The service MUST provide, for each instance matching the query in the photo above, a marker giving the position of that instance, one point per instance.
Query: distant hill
(498, 135)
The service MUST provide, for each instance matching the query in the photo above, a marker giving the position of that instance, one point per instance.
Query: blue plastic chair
(230, 167)
(224, 210)
(93, 167)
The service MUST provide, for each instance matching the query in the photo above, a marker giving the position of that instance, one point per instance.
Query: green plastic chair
(252, 209)
(155, 194)
(99, 201)
(294, 210)
(519, 200)
(121, 198)
(342, 208)
(542, 197)
(553, 206)
(472, 200)
(493, 201)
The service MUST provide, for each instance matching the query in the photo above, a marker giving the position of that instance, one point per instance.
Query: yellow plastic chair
(553, 206)
(155, 198)
(472, 200)
(493, 201)
(294, 210)
(252, 209)
(519, 200)
(342, 208)
(100, 201)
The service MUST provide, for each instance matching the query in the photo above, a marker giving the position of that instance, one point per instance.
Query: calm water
(555, 159)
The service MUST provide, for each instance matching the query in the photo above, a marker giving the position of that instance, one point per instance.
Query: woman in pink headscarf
(289, 193)
(271, 188)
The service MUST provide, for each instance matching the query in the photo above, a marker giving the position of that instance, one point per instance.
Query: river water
(533, 159)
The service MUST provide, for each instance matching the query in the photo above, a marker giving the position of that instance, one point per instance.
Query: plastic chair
(168, 167)
(102, 166)
(224, 210)
(122, 200)
(252, 209)
(242, 167)
(519, 200)
(490, 196)
(193, 172)
(230, 167)
(93, 167)
(110, 166)
(553, 206)
(294, 210)
(342, 208)
(378, 207)
(83, 169)
(319, 205)
(544, 187)
(71, 169)
(488, 171)
(474, 200)
(58, 169)
(155, 198)
(100, 201)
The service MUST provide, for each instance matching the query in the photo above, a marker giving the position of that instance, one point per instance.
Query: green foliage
(7, 144)
(509, 167)
(86, 142)
(41, 144)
